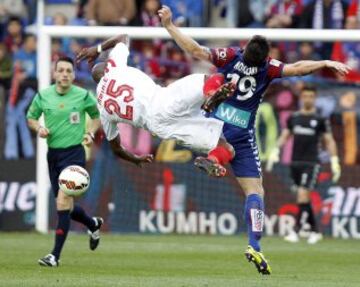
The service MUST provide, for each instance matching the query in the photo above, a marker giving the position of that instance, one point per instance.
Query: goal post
(46, 33)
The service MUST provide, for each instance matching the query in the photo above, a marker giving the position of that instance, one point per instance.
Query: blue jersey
(239, 111)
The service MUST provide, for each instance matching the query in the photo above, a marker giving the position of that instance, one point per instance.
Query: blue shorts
(60, 158)
(246, 162)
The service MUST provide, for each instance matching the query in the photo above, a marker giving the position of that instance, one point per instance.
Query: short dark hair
(65, 59)
(28, 35)
(309, 88)
(256, 51)
(14, 18)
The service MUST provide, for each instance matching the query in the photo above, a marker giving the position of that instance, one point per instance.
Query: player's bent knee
(64, 202)
(303, 195)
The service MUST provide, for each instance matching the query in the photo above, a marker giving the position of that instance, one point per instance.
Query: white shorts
(176, 114)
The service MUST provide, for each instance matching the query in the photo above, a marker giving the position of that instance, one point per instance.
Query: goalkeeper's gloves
(274, 157)
(335, 168)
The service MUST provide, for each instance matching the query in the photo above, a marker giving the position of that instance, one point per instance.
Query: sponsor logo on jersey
(299, 130)
(233, 116)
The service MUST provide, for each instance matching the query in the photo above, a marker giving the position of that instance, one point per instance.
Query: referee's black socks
(62, 230)
(78, 214)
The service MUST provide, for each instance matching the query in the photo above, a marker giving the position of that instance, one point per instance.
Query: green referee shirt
(64, 114)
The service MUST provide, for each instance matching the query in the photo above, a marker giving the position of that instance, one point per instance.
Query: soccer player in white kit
(126, 94)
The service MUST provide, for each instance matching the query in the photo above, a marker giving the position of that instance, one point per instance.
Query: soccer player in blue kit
(252, 70)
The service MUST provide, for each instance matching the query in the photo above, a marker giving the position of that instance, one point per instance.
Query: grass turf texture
(201, 261)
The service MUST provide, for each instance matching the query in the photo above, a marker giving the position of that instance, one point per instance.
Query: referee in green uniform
(64, 106)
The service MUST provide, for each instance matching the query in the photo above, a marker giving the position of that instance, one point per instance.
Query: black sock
(312, 219)
(306, 215)
(62, 230)
(302, 216)
(78, 214)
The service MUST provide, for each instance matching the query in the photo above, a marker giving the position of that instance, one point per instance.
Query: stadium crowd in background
(160, 59)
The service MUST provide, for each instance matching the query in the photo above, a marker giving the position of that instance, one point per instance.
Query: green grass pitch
(159, 261)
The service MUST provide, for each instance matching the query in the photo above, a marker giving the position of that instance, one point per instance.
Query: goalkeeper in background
(308, 129)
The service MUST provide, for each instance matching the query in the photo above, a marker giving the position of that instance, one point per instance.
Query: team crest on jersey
(75, 118)
(221, 53)
(313, 123)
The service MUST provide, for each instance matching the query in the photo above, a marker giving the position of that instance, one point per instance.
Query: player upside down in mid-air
(126, 94)
(252, 70)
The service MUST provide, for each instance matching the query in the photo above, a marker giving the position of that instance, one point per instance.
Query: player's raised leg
(214, 163)
(92, 223)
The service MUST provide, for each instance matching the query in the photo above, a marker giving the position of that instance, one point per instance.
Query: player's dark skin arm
(124, 154)
(91, 54)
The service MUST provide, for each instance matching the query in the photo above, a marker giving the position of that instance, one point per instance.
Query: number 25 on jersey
(111, 105)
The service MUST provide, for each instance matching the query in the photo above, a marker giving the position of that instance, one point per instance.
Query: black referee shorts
(304, 174)
(60, 158)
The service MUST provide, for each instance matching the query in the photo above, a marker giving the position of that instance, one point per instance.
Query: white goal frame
(46, 33)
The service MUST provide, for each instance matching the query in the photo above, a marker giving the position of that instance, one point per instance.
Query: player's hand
(165, 15)
(43, 132)
(89, 54)
(87, 139)
(274, 157)
(335, 168)
(140, 160)
(338, 67)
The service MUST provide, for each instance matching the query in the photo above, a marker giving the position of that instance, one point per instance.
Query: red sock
(213, 83)
(221, 155)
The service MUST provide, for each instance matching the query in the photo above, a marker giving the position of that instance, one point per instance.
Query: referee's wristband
(91, 135)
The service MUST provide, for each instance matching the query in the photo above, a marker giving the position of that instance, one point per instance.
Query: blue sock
(78, 214)
(254, 217)
(62, 230)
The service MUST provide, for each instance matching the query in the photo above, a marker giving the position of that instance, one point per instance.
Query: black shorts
(305, 174)
(60, 158)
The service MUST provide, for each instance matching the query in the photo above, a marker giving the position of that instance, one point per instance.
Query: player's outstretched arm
(90, 54)
(124, 154)
(303, 68)
(185, 42)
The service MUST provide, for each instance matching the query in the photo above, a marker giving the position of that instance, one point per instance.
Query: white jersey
(128, 95)
(124, 93)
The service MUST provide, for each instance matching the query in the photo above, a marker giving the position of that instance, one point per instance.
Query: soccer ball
(74, 180)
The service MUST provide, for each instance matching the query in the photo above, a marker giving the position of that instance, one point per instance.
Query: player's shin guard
(62, 230)
(78, 214)
(254, 217)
